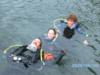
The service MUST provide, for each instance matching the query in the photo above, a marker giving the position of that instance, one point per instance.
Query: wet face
(37, 43)
(70, 23)
(51, 34)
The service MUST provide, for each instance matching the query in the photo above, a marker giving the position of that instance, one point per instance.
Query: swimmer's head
(37, 43)
(51, 33)
(71, 20)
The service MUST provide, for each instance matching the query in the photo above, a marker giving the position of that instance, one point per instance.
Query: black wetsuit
(68, 33)
(28, 56)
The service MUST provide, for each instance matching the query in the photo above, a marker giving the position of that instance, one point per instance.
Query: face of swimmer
(71, 20)
(37, 43)
(70, 23)
(51, 34)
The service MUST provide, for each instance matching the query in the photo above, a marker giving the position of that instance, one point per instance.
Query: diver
(28, 54)
(49, 38)
(51, 35)
(51, 52)
(68, 27)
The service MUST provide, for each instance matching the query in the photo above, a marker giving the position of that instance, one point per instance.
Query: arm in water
(80, 31)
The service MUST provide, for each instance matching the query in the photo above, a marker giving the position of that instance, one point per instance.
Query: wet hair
(40, 42)
(53, 30)
(72, 17)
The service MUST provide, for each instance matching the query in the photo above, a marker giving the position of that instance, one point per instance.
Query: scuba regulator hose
(12, 46)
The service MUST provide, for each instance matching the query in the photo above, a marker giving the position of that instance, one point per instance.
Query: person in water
(68, 28)
(50, 52)
(28, 54)
(51, 35)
